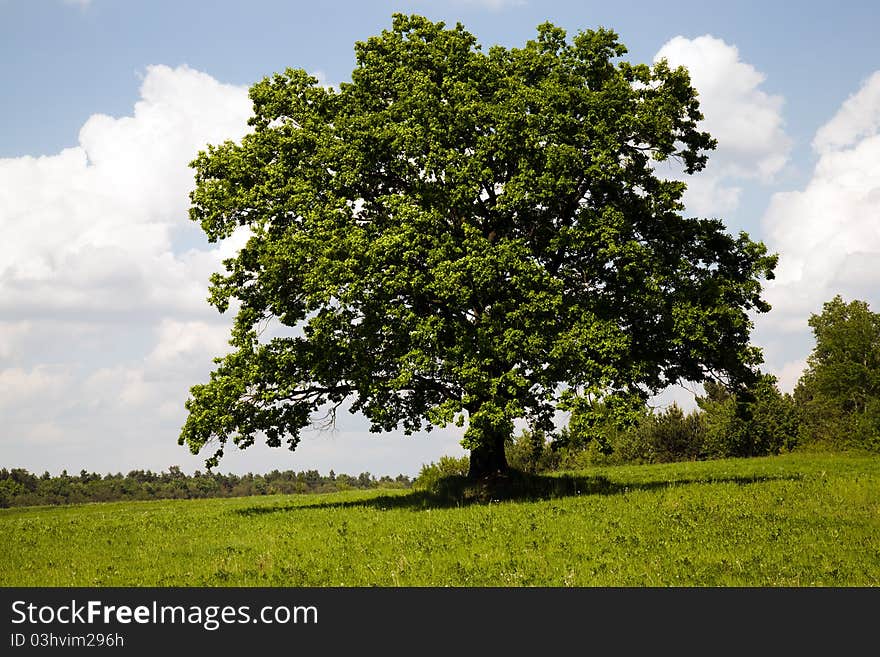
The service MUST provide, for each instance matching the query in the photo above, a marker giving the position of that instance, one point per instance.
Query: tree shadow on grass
(458, 491)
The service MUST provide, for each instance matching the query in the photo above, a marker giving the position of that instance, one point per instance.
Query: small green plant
(432, 474)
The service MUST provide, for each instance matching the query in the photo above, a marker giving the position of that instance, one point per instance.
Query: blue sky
(103, 324)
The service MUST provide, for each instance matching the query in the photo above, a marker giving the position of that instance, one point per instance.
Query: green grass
(793, 520)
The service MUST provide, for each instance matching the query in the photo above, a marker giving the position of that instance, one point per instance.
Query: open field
(792, 520)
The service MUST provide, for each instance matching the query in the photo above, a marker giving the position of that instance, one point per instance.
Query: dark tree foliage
(467, 235)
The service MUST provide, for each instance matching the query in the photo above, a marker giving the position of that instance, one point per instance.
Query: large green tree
(466, 235)
(839, 391)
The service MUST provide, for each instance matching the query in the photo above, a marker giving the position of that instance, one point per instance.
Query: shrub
(759, 422)
(432, 474)
(668, 436)
(531, 452)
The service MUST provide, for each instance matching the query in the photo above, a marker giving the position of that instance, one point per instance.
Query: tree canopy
(467, 235)
(839, 391)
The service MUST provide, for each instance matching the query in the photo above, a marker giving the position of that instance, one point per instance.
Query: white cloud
(789, 374)
(859, 117)
(12, 337)
(106, 323)
(746, 121)
(181, 342)
(37, 386)
(121, 386)
(828, 234)
(91, 229)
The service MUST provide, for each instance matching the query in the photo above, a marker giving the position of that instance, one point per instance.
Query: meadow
(791, 520)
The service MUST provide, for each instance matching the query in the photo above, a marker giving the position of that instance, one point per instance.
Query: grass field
(792, 520)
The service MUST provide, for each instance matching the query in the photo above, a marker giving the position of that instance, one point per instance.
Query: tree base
(487, 462)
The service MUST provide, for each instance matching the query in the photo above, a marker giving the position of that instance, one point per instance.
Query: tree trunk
(488, 458)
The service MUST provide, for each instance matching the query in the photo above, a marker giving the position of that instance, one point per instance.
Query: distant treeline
(18, 487)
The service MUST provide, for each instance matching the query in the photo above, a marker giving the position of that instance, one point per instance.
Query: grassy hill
(792, 520)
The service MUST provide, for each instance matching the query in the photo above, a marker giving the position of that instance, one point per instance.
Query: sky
(104, 324)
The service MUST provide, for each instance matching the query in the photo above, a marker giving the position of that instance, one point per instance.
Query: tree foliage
(752, 420)
(466, 235)
(839, 392)
(756, 421)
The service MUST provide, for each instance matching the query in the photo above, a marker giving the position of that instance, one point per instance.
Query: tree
(469, 236)
(756, 421)
(839, 391)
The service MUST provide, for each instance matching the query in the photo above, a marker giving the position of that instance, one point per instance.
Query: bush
(432, 474)
(595, 436)
(669, 436)
(531, 452)
(759, 422)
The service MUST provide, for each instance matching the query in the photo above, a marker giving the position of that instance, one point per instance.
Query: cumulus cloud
(828, 234)
(12, 335)
(19, 386)
(33, 403)
(91, 229)
(746, 121)
(105, 319)
(858, 117)
(180, 342)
